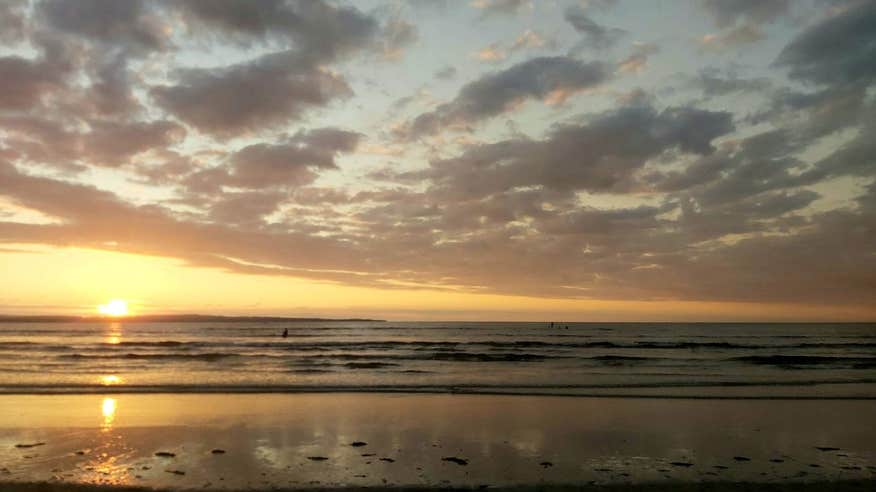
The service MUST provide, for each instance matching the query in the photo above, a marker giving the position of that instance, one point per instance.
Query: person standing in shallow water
(285, 332)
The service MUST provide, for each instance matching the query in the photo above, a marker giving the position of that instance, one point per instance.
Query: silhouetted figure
(552, 324)
(285, 332)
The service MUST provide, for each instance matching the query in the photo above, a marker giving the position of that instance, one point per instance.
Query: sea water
(655, 359)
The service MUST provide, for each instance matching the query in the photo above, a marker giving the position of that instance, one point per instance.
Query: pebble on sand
(165, 454)
(741, 458)
(176, 472)
(826, 448)
(388, 460)
(218, 451)
(684, 464)
(26, 446)
(357, 444)
(454, 459)
(546, 464)
(317, 458)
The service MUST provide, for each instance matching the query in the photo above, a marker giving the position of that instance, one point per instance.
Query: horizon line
(197, 317)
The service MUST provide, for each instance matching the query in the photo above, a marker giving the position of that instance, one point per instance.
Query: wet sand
(839, 486)
(312, 441)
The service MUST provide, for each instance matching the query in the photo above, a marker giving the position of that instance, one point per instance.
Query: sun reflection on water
(114, 334)
(110, 380)
(108, 409)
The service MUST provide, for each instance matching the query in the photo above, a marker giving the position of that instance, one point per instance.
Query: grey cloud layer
(600, 155)
(642, 200)
(264, 93)
(839, 50)
(595, 36)
(498, 92)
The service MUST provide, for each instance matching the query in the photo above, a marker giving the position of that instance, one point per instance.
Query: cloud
(111, 92)
(742, 21)
(549, 79)
(529, 40)
(12, 21)
(245, 208)
(319, 30)
(491, 8)
(42, 141)
(600, 155)
(637, 61)
(593, 221)
(714, 84)
(103, 143)
(398, 34)
(439, 5)
(288, 163)
(94, 218)
(278, 87)
(728, 12)
(446, 73)
(598, 4)
(112, 144)
(491, 54)
(129, 24)
(319, 196)
(595, 36)
(24, 82)
(731, 38)
(837, 50)
(251, 96)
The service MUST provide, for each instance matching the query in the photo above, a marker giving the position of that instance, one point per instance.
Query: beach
(368, 440)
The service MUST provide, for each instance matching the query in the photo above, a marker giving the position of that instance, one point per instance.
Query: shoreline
(717, 486)
(743, 391)
(463, 393)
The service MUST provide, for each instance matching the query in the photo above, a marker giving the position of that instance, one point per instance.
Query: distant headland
(167, 318)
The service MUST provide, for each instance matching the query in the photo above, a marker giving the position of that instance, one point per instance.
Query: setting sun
(115, 307)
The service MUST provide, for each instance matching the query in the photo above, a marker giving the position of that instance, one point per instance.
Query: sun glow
(115, 307)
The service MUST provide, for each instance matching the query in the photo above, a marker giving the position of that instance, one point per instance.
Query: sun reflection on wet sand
(108, 456)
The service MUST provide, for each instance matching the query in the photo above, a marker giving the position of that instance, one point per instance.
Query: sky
(691, 160)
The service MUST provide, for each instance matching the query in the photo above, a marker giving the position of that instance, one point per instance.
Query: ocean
(824, 360)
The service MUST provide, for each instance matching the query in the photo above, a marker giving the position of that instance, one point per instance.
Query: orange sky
(41, 280)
